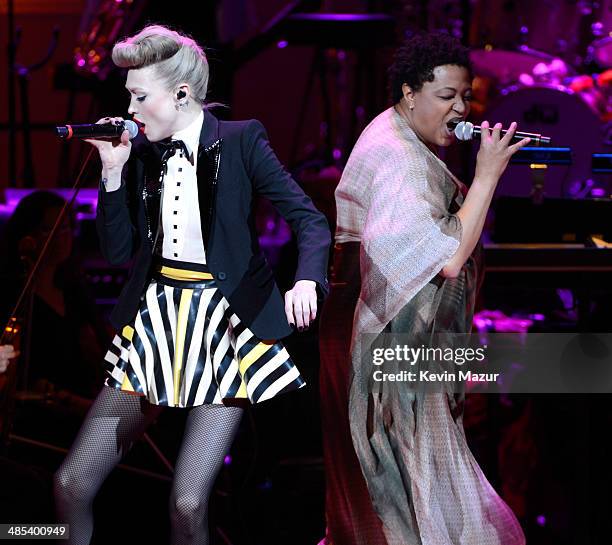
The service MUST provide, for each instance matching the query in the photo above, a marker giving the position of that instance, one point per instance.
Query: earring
(412, 104)
(181, 105)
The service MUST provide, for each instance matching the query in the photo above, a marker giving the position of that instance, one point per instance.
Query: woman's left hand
(301, 304)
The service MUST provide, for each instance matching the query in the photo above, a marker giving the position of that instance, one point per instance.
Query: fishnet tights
(114, 422)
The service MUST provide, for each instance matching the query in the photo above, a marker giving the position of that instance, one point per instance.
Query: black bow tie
(169, 147)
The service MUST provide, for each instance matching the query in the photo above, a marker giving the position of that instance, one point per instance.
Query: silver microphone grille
(131, 127)
(464, 130)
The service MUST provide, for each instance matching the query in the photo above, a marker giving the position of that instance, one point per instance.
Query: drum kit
(556, 81)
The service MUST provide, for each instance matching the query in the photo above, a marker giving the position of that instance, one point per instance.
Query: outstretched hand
(495, 151)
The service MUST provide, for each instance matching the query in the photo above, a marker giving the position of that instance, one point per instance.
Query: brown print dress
(398, 201)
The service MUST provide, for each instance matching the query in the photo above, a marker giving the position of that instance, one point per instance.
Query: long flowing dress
(398, 200)
(351, 519)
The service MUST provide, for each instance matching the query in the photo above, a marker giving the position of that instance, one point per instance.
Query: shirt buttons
(221, 275)
(181, 241)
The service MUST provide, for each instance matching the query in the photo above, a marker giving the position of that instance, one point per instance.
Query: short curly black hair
(415, 60)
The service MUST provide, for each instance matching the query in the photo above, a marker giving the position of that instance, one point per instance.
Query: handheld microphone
(464, 130)
(97, 130)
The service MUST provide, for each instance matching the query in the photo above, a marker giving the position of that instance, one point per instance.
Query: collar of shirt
(191, 134)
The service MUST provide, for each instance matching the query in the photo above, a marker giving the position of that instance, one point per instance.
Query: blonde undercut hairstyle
(177, 58)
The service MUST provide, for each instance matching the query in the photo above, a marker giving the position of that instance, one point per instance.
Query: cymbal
(505, 66)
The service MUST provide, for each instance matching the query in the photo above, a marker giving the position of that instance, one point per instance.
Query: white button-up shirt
(182, 230)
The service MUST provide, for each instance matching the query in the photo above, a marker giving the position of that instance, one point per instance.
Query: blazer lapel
(151, 183)
(209, 159)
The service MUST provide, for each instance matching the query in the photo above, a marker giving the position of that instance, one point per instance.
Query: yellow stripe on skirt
(186, 347)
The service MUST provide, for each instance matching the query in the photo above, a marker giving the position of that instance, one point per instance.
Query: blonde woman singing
(199, 319)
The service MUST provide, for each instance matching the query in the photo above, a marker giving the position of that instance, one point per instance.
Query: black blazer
(235, 162)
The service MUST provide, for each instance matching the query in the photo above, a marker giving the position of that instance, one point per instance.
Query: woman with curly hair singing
(406, 265)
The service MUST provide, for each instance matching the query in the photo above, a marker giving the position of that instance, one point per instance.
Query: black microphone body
(464, 130)
(97, 130)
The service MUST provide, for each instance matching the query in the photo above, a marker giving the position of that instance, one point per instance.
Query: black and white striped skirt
(186, 347)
